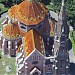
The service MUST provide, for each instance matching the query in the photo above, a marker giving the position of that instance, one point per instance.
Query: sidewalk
(71, 56)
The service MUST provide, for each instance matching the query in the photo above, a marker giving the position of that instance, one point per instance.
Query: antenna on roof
(63, 2)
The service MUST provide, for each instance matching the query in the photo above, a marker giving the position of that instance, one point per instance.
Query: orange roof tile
(11, 30)
(31, 41)
(29, 12)
(12, 11)
(22, 33)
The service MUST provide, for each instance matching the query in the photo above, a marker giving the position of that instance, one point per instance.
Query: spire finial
(63, 2)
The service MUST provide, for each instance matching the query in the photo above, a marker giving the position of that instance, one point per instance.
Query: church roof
(29, 12)
(12, 11)
(11, 31)
(22, 33)
(31, 41)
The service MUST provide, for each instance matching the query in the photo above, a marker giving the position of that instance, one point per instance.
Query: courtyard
(7, 65)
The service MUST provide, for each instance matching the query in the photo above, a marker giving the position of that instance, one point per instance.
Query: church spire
(62, 14)
(63, 19)
(62, 2)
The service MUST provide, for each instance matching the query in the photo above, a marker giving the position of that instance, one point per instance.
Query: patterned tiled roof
(31, 41)
(12, 11)
(29, 12)
(22, 33)
(11, 31)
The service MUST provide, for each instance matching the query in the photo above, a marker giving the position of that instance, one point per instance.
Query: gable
(30, 42)
(35, 55)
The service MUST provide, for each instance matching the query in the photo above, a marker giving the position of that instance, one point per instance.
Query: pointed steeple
(62, 2)
(62, 27)
(62, 20)
(62, 14)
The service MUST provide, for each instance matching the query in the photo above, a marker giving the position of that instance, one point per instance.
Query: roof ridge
(33, 38)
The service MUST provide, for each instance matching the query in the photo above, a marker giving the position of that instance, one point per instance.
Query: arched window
(36, 73)
(12, 45)
(7, 44)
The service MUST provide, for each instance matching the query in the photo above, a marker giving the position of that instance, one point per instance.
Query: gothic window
(38, 57)
(57, 52)
(47, 43)
(12, 45)
(61, 65)
(49, 68)
(7, 44)
(48, 39)
(22, 73)
(32, 57)
(62, 29)
(48, 65)
(57, 38)
(62, 52)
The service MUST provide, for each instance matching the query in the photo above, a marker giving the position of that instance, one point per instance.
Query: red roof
(28, 12)
(31, 41)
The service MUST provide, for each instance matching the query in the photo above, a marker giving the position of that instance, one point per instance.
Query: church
(38, 41)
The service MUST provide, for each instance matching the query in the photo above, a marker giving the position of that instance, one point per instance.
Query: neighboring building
(27, 35)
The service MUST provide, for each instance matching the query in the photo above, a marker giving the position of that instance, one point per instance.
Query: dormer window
(22, 27)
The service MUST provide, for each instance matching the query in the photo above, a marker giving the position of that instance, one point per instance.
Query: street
(72, 68)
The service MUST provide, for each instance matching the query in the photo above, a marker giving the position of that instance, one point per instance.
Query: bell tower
(61, 64)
